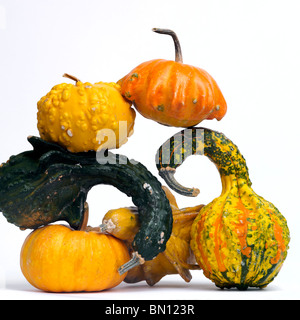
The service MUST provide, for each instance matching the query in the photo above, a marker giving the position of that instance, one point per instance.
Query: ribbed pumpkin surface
(57, 259)
(173, 93)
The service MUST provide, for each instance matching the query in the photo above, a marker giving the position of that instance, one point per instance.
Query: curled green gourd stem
(219, 149)
(178, 52)
(168, 175)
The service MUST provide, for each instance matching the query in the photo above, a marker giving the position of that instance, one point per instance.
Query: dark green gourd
(50, 184)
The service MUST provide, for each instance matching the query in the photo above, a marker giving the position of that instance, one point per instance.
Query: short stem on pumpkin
(135, 261)
(178, 52)
(66, 75)
(85, 219)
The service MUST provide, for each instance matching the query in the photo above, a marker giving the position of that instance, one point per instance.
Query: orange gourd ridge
(239, 239)
(173, 93)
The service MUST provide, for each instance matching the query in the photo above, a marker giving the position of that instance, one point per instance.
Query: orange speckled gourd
(81, 117)
(173, 93)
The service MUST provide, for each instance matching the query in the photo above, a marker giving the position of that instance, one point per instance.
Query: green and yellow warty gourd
(239, 239)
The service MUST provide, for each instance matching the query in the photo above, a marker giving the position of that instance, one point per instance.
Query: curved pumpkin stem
(66, 75)
(85, 219)
(178, 52)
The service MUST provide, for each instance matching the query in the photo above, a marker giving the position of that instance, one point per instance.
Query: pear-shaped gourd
(239, 239)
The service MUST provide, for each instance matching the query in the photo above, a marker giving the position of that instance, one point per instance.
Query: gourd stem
(219, 149)
(135, 261)
(66, 75)
(168, 176)
(85, 219)
(178, 52)
(103, 227)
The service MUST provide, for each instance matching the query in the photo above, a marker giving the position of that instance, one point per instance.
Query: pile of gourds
(238, 240)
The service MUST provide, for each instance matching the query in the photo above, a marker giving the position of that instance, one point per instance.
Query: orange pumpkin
(173, 93)
(56, 258)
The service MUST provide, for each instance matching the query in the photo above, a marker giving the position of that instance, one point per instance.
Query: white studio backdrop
(252, 50)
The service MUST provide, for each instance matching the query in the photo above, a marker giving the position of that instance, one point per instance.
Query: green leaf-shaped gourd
(49, 184)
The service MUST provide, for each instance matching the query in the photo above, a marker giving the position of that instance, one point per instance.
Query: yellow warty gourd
(85, 116)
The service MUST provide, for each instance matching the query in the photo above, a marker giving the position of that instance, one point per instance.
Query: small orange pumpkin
(173, 93)
(56, 258)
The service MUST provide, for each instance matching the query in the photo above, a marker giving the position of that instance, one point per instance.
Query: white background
(251, 48)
